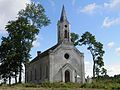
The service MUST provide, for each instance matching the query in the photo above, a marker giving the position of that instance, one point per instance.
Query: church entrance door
(67, 76)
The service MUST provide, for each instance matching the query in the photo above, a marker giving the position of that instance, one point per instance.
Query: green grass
(97, 84)
(107, 84)
(45, 86)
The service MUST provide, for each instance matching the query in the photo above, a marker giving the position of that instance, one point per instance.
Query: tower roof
(63, 14)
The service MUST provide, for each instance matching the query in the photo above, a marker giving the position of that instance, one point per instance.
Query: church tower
(63, 28)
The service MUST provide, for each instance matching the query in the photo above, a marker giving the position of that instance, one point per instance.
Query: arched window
(27, 76)
(35, 74)
(65, 34)
(31, 75)
(40, 72)
(46, 71)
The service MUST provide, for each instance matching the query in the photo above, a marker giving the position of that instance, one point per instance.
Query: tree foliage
(15, 49)
(104, 71)
(74, 38)
(35, 14)
(95, 48)
(22, 35)
(9, 66)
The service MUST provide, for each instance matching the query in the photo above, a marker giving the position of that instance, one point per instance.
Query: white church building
(61, 63)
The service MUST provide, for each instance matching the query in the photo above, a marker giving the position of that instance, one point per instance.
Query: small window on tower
(66, 26)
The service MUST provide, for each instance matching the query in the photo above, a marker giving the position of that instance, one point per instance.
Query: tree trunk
(20, 76)
(5, 80)
(9, 80)
(26, 63)
(15, 77)
(20, 72)
(25, 73)
(93, 69)
(93, 63)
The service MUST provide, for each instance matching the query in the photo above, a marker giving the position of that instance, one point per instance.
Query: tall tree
(23, 31)
(7, 69)
(35, 15)
(95, 48)
(22, 34)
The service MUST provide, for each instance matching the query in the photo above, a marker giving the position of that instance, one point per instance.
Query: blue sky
(99, 17)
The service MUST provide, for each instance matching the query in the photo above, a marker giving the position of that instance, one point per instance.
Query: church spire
(63, 14)
(63, 28)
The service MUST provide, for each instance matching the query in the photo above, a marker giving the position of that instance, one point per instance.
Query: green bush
(103, 84)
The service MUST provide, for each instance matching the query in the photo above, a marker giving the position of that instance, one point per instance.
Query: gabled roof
(45, 53)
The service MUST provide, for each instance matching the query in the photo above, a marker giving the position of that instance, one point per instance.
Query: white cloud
(113, 69)
(110, 22)
(118, 51)
(89, 8)
(111, 44)
(9, 10)
(88, 69)
(36, 44)
(112, 4)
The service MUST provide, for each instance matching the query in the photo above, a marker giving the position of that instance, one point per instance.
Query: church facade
(61, 63)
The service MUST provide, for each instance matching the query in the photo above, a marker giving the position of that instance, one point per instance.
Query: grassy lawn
(27, 88)
(46, 86)
(98, 84)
